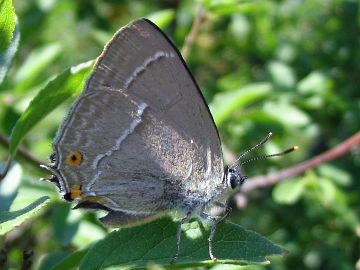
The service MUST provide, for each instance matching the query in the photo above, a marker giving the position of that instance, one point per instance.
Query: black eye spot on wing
(74, 158)
(67, 197)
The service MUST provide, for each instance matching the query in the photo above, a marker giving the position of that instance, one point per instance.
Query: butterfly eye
(233, 180)
(74, 158)
(231, 177)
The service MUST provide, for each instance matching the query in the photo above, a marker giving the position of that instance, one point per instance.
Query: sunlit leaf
(10, 220)
(228, 7)
(9, 186)
(7, 55)
(88, 233)
(287, 114)
(7, 24)
(30, 190)
(289, 192)
(339, 176)
(65, 85)
(162, 18)
(225, 104)
(315, 83)
(282, 75)
(328, 191)
(156, 243)
(36, 62)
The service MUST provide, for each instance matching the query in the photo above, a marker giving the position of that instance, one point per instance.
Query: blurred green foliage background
(291, 67)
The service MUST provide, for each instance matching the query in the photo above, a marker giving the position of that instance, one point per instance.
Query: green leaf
(7, 24)
(35, 64)
(288, 192)
(287, 114)
(65, 85)
(9, 220)
(228, 7)
(64, 229)
(29, 191)
(7, 55)
(282, 75)
(70, 227)
(315, 83)
(340, 177)
(70, 262)
(328, 191)
(162, 18)
(88, 233)
(102, 37)
(156, 243)
(52, 259)
(9, 187)
(225, 104)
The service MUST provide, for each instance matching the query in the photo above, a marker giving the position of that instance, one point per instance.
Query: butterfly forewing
(141, 125)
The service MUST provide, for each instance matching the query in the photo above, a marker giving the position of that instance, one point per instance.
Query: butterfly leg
(178, 237)
(213, 221)
(227, 209)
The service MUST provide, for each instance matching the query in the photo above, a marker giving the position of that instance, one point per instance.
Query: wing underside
(141, 126)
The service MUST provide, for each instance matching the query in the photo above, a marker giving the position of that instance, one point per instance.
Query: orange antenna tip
(296, 148)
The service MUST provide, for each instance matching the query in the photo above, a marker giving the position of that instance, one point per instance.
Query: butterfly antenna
(252, 149)
(292, 149)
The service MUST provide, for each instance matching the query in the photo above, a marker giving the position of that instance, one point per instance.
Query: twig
(22, 152)
(190, 39)
(27, 259)
(337, 151)
(3, 258)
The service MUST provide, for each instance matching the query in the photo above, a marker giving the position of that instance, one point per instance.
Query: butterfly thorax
(195, 202)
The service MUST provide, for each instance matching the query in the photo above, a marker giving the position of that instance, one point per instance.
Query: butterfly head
(233, 178)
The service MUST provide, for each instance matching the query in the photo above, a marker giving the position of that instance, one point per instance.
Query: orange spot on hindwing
(75, 192)
(74, 158)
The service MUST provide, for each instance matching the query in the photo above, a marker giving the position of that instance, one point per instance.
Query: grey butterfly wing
(156, 74)
(142, 127)
(153, 71)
